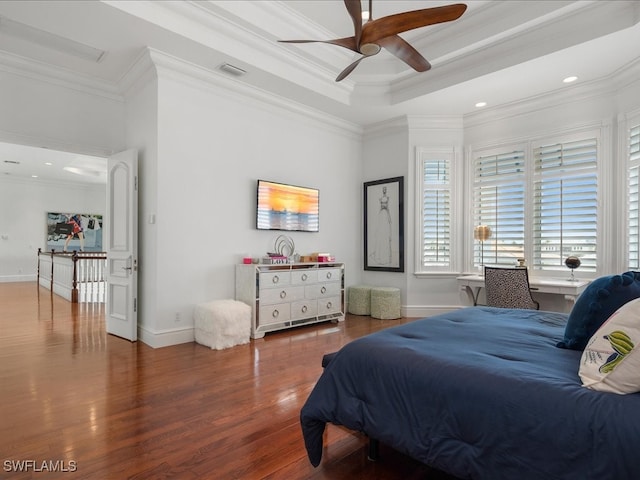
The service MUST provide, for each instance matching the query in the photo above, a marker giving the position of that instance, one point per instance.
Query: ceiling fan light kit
(370, 38)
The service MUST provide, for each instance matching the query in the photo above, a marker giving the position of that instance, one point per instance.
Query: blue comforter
(480, 393)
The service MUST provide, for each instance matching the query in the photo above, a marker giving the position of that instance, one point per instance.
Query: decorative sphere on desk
(572, 263)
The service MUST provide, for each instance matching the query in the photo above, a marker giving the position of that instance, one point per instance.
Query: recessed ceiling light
(570, 79)
(48, 163)
(34, 176)
(481, 104)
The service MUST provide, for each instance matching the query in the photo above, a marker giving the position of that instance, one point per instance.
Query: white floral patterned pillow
(611, 360)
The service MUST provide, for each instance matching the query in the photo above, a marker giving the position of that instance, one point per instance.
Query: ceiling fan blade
(401, 22)
(355, 11)
(349, 69)
(405, 52)
(347, 42)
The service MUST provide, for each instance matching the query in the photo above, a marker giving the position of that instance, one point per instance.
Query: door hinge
(135, 183)
(135, 305)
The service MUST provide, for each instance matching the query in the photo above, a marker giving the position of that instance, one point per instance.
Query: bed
(479, 393)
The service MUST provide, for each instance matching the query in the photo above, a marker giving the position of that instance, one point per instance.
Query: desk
(571, 289)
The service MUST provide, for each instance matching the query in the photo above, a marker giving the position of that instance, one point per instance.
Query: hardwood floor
(77, 403)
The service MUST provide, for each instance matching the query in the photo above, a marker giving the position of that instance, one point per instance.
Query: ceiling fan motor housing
(369, 49)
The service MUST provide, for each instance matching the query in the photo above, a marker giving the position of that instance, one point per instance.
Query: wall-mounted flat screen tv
(287, 207)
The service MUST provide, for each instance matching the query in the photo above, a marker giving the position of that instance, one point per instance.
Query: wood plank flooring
(77, 403)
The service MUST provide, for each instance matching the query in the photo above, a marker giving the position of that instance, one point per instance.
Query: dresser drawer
(285, 294)
(274, 314)
(304, 309)
(321, 290)
(304, 277)
(329, 274)
(329, 305)
(275, 279)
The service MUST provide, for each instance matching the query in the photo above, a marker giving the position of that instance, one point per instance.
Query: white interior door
(122, 245)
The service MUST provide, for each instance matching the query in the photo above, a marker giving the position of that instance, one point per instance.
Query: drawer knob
(304, 309)
(304, 277)
(275, 279)
(328, 275)
(283, 294)
(275, 314)
(329, 305)
(323, 290)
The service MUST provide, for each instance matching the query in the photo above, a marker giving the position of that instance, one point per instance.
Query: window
(540, 202)
(565, 204)
(434, 174)
(499, 204)
(634, 194)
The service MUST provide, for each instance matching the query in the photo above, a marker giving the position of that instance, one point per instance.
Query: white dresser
(285, 296)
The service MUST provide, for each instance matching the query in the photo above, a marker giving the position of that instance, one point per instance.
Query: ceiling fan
(383, 33)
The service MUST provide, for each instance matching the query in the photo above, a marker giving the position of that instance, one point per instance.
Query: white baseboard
(165, 338)
(422, 311)
(18, 278)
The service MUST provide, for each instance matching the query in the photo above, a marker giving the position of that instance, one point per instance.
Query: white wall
(202, 146)
(601, 104)
(389, 151)
(385, 153)
(142, 134)
(204, 141)
(23, 207)
(213, 143)
(58, 112)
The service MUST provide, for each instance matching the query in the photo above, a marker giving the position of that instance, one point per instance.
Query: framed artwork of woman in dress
(384, 225)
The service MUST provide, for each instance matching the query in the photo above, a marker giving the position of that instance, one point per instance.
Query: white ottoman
(360, 300)
(222, 323)
(385, 303)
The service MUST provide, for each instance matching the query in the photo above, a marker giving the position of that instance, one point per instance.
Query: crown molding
(473, 56)
(56, 144)
(608, 85)
(43, 182)
(42, 72)
(213, 81)
(229, 27)
(141, 71)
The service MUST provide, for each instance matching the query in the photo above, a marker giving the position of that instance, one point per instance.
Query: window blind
(436, 213)
(499, 184)
(634, 173)
(565, 204)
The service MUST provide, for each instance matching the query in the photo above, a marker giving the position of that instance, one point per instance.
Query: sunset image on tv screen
(287, 207)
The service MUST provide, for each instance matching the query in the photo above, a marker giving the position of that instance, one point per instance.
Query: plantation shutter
(436, 213)
(565, 204)
(634, 172)
(499, 182)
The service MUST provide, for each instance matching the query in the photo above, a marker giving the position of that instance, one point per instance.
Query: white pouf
(222, 323)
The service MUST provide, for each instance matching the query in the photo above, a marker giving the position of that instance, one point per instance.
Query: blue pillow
(596, 304)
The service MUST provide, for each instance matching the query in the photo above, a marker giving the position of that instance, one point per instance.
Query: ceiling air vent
(236, 71)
